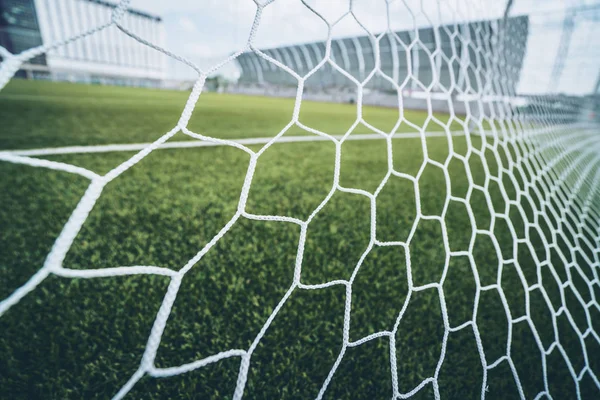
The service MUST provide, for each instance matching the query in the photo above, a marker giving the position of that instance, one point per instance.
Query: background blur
(563, 37)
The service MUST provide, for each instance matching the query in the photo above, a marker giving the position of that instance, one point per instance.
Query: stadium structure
(419, 69)
(109, 57)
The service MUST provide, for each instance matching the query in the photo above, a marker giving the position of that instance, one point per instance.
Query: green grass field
(84, 338)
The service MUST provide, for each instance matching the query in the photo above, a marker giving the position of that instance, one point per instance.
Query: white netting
(546, 152)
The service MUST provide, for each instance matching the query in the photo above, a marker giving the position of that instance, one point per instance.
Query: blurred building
(108, 56)
(453, 59)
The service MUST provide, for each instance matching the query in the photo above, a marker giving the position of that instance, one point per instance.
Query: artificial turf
(76, 338)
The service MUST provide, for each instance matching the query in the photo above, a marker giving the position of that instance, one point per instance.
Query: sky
(207, 31)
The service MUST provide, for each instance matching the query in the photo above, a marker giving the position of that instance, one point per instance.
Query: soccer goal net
(439, 229)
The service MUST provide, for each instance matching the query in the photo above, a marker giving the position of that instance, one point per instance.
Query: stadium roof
(132, 11)
(403, 55)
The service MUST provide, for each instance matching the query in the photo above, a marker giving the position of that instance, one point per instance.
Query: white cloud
(331, 10)
(202, 50)
(187, 25)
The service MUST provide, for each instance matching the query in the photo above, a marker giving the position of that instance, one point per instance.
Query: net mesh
(541, 160)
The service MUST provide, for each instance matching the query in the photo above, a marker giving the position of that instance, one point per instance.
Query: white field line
(182, 144)
(202, 143)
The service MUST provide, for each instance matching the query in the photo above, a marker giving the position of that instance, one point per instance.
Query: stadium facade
(418, 67)
(108, 56)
